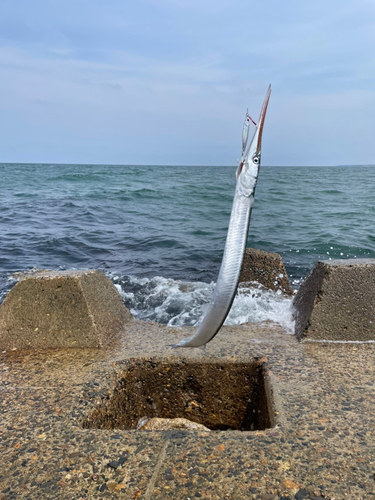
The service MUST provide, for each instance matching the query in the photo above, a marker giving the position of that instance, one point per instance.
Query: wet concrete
(322, 443)
(265, 268)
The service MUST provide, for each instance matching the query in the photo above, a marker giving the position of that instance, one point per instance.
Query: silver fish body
(226, 285)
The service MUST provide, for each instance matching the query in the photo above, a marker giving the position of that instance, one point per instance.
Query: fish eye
(256, 160)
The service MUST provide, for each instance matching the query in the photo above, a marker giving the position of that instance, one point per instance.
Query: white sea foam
(181, 303)
(254, 302)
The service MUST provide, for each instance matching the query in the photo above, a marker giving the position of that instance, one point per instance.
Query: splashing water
(178, 303)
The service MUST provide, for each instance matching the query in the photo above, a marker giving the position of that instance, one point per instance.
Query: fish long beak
(256, 143)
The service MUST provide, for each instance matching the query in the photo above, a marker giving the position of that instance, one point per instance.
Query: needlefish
(243, 201)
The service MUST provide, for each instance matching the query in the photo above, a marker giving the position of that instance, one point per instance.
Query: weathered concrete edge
(304, 301)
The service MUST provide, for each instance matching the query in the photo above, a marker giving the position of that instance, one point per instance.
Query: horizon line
(182, 165)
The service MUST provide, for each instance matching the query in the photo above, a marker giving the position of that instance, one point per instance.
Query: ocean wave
(172, 221)
(181, 303)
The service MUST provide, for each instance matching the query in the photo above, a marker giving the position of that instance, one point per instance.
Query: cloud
(169, 81)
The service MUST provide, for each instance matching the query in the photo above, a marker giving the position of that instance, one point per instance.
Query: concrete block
(267, 269)
(337, 301)
(52, 309)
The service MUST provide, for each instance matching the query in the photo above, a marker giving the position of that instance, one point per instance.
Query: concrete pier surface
(322, 443)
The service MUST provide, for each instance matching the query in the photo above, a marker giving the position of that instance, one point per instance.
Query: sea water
(159, 231)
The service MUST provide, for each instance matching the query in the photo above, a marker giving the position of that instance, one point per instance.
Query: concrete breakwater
(51, 309)
(336, 302)
(318, 442)
(321, 444)
(265, 268)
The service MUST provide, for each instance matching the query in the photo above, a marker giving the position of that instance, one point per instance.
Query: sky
(169, 81)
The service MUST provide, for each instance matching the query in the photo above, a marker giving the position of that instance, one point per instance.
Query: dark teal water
(143, 222)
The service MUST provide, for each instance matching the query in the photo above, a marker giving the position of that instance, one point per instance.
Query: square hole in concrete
(222, 395)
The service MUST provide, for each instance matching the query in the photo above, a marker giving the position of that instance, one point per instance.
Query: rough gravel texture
(266, 268)
(57, 309)
(322, 445)
(337, 301)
